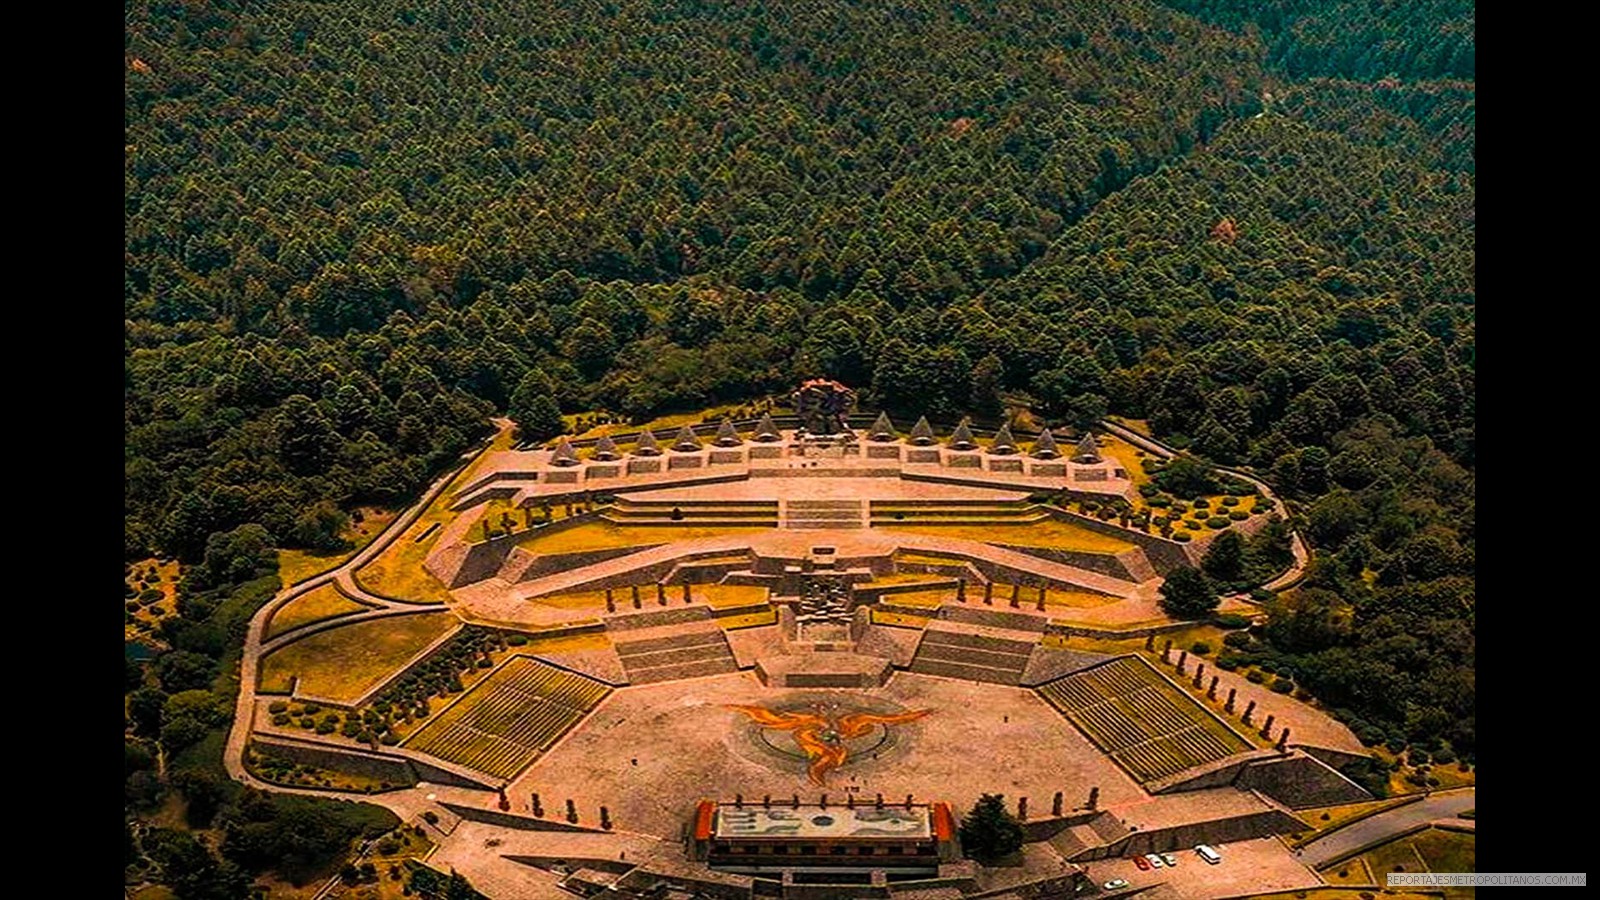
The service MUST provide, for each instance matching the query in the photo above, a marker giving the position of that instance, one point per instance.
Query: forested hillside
(356, 230)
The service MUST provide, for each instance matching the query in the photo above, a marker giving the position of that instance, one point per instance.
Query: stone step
(719, 666)
(636, 661)
(1010, 662)
(965, 671)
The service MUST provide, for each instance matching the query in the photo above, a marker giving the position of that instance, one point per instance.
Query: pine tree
(1188, 594)
(990, 832)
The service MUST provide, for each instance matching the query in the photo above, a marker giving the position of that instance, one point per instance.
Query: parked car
(1169, 859)
(1155, 861)
(1115, 884)
(1209, 855)
(1142, 863)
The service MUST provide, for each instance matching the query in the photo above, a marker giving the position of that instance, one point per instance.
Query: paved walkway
(1374, 829)
(1297, 545)
(256, 646)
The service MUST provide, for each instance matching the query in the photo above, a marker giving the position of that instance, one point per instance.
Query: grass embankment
(314, 606)
(600, 535)
(343, 663)
(1339, 816)
(1429, 850)
(1045, 533)
(749, 620)
(898, 620)
(398, 571)
(295, 566)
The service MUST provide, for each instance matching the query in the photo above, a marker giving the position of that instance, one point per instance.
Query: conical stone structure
(922, 432)
(1044, 447)
(564, 455)
(726, 436)
(647, 445)
(686, 442)
(962, 439)
(882, 429)
(605, 449)
(1088, 450)
(766, 431)
(1004, 444)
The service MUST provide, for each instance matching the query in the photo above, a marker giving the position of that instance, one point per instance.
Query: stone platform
(819, 669)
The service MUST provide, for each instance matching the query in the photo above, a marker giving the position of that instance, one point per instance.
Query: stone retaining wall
(1101, 563)
(1163, 554)
(1301, 782)
(393, 769)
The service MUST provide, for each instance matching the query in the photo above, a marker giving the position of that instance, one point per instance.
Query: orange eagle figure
(821, 735)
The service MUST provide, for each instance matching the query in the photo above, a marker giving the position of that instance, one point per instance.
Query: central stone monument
(823, 404)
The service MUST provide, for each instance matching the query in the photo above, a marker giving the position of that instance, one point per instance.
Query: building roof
(564, 455)
(605, 448)
(835, 822)
(1088, 448)
(766, 431)
(1003, 441)
(1044, 447)
(647, 445)
(726, 436)
(686, 441)
(882, 429)
(922, 432)
(962, 438)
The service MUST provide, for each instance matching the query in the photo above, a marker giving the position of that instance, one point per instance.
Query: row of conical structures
(882, 431)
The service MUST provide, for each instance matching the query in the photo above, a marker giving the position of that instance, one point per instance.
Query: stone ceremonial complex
(781, 657)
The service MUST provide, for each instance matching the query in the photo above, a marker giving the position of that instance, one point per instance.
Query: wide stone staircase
(818, 514)
(680, 651)
(993, 655)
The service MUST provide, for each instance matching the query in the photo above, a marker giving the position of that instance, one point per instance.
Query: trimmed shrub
(1256, 676)
(1149, 490)
(389, 739)
(1236, 639)
(1200, 648)
(280, 719)
(1238, 515)
(1282, 686)
(1159, 502)
(1228, 662)
(1230, 620)
(1218, 522)
(1230, 501)
(1261, 595)
(312, 709)
(1444, 756)
(1201, 503)
(278, 706)
(307, 722)
(517, 640)
(1181, 537)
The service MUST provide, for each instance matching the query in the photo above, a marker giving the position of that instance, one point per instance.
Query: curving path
(1297, 544)
(1368, 832)
(343, 578)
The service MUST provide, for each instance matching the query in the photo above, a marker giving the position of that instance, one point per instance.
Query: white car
(1155, 861)
(1209, 855)
(1170, 860)
(1115, 884)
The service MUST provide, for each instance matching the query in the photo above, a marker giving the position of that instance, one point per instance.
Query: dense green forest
(354, 231)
